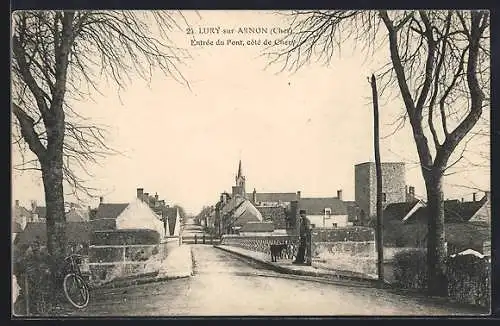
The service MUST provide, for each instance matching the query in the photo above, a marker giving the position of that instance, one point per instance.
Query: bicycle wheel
(76, 290)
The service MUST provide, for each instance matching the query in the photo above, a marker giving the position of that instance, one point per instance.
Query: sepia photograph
(185, 163)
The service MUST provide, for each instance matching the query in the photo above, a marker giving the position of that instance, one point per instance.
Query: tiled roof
(76, 232)
(257, 227)
(244, 213)
(110, 210)
(232, 204)
(316, 206)
(273, 196)
(397, 211)
(455, 211)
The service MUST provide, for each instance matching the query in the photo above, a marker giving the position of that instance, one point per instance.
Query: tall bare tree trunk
(52, 175)
(436, 247)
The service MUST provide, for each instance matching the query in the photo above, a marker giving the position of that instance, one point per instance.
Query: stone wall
(350, 249)
(108, 262)
(262, 243)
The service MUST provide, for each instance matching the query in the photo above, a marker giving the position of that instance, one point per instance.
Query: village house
(77, 235)
(467, 224)
(235, 211)
(257, 229)
(278, 216)
(328, 212)
(107, 214)
(272, 199)
(20, 217)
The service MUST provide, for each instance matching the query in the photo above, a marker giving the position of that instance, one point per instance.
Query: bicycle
(75, 288)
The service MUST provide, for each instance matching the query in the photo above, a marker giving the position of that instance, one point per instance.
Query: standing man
(304, 232)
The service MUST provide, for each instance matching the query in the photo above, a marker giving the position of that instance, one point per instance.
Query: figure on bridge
(304, 237)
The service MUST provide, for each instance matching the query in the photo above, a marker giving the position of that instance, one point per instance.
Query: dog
(277, 251)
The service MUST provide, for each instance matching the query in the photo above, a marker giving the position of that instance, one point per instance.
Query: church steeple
(239, 187)
(240, 172)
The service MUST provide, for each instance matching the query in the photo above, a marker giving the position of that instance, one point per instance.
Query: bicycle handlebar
(72, 256)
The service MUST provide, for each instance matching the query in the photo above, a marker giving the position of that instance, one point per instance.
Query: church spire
(239, 186)
(240, 172)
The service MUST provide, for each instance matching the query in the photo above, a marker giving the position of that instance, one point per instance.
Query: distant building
(393, 186)
(20, 217)
(270, 199)
(467, 224)
(257, 229)
(328, 212)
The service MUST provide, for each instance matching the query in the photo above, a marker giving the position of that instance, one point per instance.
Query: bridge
(191, 233)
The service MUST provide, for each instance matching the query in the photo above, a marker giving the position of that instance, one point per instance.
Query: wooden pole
(378, 168)
(26, 294)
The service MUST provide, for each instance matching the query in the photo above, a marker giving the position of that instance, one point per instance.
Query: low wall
(108, 262)
(262, 243)
(345, 249)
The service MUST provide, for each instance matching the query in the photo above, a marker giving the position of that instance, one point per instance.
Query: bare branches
(60, 57)
(438, 59)
(28, 132)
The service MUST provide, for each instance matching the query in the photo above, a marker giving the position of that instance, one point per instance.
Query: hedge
(469, 279)
(410, 269)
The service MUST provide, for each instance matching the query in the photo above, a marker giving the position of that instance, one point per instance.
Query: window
(384, 197)
(328, 211)
(334, 225)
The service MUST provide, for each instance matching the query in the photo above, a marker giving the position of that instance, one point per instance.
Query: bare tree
(439, 62)
(60, 57)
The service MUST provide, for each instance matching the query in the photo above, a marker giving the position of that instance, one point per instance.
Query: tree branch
(28, 132)
(28, 78)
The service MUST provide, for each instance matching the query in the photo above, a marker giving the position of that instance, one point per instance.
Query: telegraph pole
(378, 168)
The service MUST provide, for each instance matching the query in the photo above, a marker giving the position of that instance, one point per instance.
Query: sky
(302, 131)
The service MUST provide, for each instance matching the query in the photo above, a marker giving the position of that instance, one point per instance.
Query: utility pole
(378, 168)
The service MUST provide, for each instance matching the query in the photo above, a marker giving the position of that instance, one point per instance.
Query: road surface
(226, 285)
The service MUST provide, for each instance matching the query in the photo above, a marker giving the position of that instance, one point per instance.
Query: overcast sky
(302, 131)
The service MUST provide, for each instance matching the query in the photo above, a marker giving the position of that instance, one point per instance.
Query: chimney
(17, 202)
(298, 194)
(140, 193)
(101, 200)
(33, 205)
(462, 199)
(339, 194)
(156, 196)
(474, 196)
(146, 198)
(254, 196)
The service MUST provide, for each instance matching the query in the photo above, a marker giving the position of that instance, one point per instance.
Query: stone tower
(393, 186)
